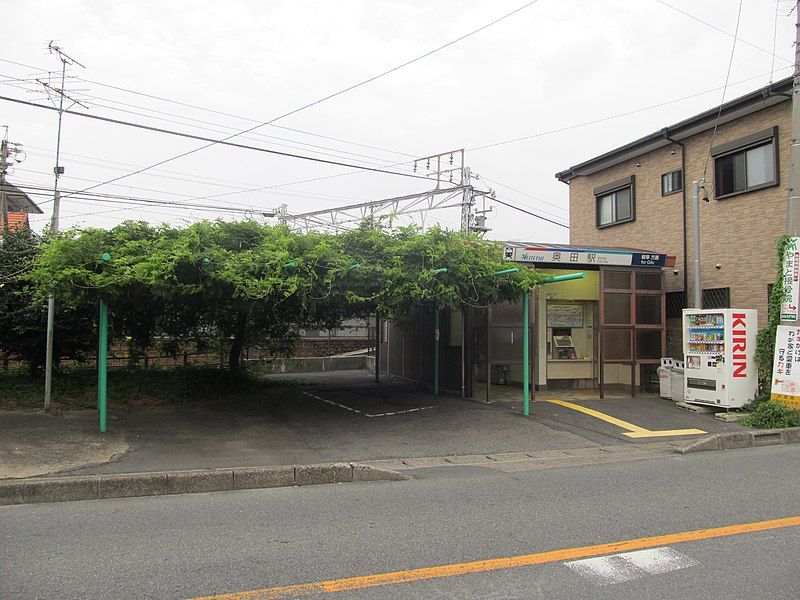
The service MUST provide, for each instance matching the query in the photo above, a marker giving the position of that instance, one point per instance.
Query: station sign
(583, 256)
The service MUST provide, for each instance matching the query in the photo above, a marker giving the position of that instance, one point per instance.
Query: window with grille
(717, 298)
(676, 302)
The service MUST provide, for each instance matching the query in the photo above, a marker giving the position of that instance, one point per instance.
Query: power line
(104, 197)
(227, 114)
(610, 117)
(508, 187)
(254, 136)
(724, 89)
(186, 177)
(715, 28)
(202, 108)
(325, 98)
(222, 142)
(527, 212)
(15, 81)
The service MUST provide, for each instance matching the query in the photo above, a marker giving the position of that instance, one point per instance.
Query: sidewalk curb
(743, 439)
(160, 483)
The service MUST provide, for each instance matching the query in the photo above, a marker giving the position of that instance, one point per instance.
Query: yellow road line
(663, 433)
(496, 564)
(598, 415)
(633, 431)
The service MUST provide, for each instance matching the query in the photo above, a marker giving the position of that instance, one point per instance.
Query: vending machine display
(719, 348)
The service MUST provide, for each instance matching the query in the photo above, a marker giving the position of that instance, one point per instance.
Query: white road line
(355, 410)
(399, 412)
(607, 570)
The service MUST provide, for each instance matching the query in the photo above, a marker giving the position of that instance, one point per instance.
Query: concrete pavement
(40, 443)
(338, 417)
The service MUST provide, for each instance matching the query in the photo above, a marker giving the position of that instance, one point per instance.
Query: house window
(615, 203)
(747, 164)
(717, 298)
(671, 183)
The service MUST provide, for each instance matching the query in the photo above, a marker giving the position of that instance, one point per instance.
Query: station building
(605, 331)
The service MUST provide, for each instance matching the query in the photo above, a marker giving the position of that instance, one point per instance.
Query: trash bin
(664, 378)
(676, 381)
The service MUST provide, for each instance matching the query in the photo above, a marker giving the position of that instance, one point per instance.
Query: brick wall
(739, 233)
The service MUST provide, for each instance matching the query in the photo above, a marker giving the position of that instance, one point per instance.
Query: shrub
(769, 414)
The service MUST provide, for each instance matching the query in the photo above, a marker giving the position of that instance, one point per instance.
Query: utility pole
(3, 167)
(58, 170)
(793, 204)
(698, 294)
(468, 199)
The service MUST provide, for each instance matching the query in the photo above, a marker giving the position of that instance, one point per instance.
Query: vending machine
(719, 351)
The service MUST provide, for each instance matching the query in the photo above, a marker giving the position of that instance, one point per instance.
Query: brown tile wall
(739, 233)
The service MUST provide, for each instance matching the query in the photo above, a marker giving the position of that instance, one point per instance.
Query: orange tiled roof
(17, 220)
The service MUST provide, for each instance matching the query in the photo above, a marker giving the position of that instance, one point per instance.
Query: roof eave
(737, 108)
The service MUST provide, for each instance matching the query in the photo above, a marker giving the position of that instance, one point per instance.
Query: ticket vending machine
(719, 355)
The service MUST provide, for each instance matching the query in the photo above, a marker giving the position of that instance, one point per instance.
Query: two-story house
(640, 195)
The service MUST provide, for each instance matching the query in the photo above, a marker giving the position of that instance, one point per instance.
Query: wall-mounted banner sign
(791, 281)
(583, 256)
(786, 367)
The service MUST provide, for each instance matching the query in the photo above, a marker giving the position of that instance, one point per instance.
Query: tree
(23, 310)
(246, 283)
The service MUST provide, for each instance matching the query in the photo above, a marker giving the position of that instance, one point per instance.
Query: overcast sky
(548, 68)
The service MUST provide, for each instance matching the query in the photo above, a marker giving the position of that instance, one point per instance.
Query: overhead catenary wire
(518, 191)
(527, 212)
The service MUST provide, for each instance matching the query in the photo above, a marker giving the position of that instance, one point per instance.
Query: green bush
(769, 414)
(77, 387)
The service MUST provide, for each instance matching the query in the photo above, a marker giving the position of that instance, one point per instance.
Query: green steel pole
(102, 364)
(526, 366)
(377, 347)
(569, 277)
(436, 337)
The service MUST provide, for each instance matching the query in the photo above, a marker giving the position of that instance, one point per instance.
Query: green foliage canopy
(246, 282)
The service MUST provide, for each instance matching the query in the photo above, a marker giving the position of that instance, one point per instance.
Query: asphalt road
(201, 544)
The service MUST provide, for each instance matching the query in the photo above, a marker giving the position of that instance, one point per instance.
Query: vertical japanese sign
(791, 282)
(786, 367)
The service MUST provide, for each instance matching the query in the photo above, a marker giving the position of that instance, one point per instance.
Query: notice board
(786, 367)
(564, 315)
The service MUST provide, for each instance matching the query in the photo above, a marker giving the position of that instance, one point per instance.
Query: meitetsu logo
(739, 336)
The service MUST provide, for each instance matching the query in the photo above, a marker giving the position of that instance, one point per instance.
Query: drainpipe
(683, 198)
